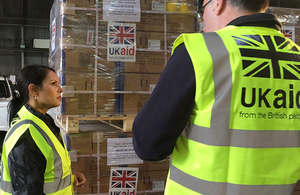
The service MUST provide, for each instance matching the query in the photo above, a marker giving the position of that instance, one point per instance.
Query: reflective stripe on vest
(219, 135)
(242, 138)
(217, 188)
(49, 187)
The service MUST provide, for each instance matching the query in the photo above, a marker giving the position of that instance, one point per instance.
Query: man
(227, 106)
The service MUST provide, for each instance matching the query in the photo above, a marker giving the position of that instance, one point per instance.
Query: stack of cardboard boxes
(290, 20)
(78, 59)
(88, 145)
(94, 85)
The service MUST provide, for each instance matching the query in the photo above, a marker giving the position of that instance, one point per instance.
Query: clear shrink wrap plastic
(78, 52)
(89, 155)
(93, 85)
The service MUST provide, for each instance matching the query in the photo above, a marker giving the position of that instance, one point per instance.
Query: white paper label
(151, 87)
(120, 152)
(157, 6)
(122, 10)
(73, 155)
(158, 185)
(154, 44)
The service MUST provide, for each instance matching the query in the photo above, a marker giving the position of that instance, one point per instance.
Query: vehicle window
(4, 91)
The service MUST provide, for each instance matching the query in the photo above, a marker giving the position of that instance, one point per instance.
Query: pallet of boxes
(291, 29)
(109, 56)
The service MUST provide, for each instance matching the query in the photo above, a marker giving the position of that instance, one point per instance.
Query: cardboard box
(82, 60)
(155, 40)
(297, 187)
(80, 19)
(86, 141)
(134, 102)
(83, 104)
(84, 34)
(83, 3)
(146, 179)
(67, 11)
(145, 182)
(86, 81)
(296, 193)
(146, 62)
(155, 62)
(90, 187)
(88, 165)
(158, 5)
(180, 23)
(111, 82)
(140, 82)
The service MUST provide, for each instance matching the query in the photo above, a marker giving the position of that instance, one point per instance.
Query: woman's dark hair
(34, 74)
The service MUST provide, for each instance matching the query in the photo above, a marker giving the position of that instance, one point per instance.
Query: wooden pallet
(70, 123)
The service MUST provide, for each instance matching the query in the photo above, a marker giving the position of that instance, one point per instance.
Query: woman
(34, 157)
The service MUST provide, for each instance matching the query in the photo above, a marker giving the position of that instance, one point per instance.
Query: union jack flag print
(121, 42)
(124, 178)
(269, 57)
(289, 32)
(121, 34)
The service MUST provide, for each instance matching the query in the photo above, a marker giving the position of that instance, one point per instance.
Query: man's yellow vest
(58, 178)
(243, 135)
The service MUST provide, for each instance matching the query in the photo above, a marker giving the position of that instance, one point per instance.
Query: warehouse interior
(22, 21)
(101, 97)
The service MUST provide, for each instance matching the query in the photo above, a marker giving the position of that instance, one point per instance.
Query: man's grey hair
(254, 6)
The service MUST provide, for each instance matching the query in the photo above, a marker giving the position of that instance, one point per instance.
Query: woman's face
(49, 94)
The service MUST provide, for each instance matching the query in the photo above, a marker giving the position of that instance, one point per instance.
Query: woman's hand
(79, 178)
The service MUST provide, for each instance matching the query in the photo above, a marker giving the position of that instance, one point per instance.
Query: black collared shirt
(26, 162)
(164, 116)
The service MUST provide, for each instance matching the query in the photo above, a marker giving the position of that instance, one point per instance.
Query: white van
(7, 92)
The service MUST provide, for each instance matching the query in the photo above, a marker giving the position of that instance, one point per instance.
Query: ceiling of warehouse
(32, 11)
(22, 21)
(37, 11)
(285, 3)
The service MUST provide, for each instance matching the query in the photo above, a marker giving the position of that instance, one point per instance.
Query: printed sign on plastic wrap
(122, 10)
(123, 181)
(121, 42)
(120, 152)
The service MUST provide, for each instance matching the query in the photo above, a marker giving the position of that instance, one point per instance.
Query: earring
(35, 97)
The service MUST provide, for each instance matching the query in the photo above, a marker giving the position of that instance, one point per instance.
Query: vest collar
(261, 19)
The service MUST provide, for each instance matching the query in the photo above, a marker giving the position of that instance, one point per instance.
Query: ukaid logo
(121, 42)
(123, 181)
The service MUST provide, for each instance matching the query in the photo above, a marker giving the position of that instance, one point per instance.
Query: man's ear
(219, 6)
(33, 90)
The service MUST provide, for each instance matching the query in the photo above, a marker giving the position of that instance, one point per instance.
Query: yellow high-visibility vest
(243, 135)
(58, 177)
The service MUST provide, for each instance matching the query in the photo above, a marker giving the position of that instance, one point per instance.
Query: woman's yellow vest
(58, 178)
(243, 135)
